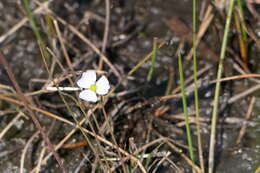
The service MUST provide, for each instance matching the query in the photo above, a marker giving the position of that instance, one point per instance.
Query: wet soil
(133, 25)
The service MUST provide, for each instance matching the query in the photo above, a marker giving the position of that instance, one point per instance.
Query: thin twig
(59, 145)
(106, 31)
(87, 41)
(64, 51)
(23, 21)
(247, 117)
(32, 115)
(25, 150)
(10, 124)
(38, 167)
(44, 112)
(244, 94)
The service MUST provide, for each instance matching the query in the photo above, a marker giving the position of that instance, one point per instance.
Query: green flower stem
(154, 54)
(185, 110)
(45, 55)
(217, 90)
(196, 95)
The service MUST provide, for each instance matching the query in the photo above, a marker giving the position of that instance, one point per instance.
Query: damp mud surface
(139, 111)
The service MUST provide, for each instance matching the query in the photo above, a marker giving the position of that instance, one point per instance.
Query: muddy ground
(137, 113)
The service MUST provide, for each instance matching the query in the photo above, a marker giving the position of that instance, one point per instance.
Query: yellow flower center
(93, 87)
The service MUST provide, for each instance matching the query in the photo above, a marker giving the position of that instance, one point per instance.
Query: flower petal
(102, 86)
(87, 79)
(88, 95)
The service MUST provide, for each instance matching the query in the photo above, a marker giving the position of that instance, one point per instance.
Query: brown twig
(64, 51)
(26, 102)
(85, 40)
(100, 139)
(184, 32)
(44, 112)
(10, 124)
(207, 19)
(26, 149)
(106, 31)
(244, 94)
(22, 22)
(248, 115)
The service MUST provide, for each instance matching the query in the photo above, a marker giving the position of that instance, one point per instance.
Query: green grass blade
(217, 90)
(154, 54)
(41, 43)
(196, 94)
(185, 109)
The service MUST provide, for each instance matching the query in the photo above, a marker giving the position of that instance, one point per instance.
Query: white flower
(92, 87)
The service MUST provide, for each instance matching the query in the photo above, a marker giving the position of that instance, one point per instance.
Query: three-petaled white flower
(92, 87)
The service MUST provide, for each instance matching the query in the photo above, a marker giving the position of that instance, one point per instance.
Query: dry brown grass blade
(183, 156)
(139, 150)
(44, 6)
(243, 72)
(236, 77)
(247, 117)
(97, 137)
(190, 79)
(228, 120)
(75, 144)
(39, 164)
(161, 140)
(184, 32)
(207, 19)
(85, 40)
(44, 112)
(26, 147)
(64, 51)
(244, 76)
(10, 124)
(252, 9)
(106, 32)
(6, 112)
(22, 22)
(244, 94)
(146, 58)
(26, 102)
(242, 43)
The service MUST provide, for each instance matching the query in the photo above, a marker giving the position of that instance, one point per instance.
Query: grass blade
(217, 90)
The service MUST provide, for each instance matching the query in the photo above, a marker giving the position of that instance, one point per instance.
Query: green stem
(154, 54)
(196, 95)
(217, 90)
(37, 34)
(241, 14)
(185, 110)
